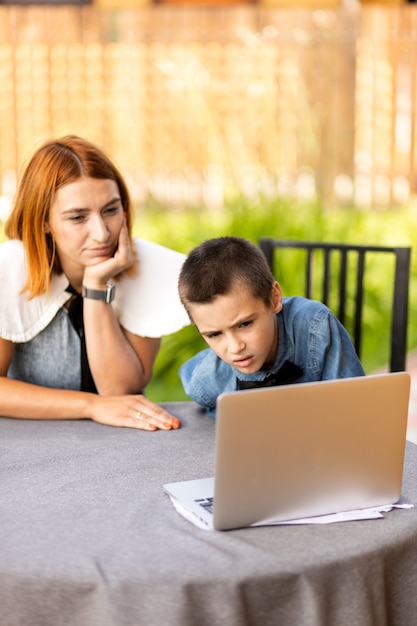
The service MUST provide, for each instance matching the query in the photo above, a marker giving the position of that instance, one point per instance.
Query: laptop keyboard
(206, 503)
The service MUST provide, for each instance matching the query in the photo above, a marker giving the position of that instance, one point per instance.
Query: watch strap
(104, 295)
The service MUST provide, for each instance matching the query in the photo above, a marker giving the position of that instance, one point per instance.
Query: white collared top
(146, 304)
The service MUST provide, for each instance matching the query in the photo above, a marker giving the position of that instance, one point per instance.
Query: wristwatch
(106, 295)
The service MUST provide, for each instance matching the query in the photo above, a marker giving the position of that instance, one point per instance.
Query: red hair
(55, 164)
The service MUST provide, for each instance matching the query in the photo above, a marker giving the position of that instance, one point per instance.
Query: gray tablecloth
(88, 537)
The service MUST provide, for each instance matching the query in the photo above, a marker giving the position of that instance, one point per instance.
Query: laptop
(302, 450)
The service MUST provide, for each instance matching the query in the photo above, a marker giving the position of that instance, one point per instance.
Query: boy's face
(240, 329)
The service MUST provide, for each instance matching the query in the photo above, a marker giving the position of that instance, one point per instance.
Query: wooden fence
(199, 103)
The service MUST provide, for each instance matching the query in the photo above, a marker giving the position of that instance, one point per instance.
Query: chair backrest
(332, 263)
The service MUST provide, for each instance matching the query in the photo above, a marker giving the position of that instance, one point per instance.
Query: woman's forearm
(25, 400)
(118, 366)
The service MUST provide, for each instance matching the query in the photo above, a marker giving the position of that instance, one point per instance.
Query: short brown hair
(55, 164)
(217, 265)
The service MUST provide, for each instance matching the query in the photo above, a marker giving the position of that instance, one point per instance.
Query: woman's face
(85, 222)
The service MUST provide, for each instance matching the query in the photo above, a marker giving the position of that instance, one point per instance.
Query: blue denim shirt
(309, 335)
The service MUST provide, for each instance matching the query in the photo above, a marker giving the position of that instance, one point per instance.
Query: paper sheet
(345, 516)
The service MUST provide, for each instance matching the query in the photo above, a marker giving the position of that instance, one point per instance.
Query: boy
(255, 336)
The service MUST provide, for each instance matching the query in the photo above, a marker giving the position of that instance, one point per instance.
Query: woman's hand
(131, 411)
(98, 275)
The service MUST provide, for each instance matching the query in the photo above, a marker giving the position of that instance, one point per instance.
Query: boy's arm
(204, 377)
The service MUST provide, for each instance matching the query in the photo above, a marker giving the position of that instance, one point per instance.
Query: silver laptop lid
(309, 449)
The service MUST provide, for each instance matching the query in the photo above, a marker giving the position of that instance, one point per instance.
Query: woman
(82, 304)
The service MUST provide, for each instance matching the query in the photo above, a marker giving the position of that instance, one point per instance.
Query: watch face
(110, 293)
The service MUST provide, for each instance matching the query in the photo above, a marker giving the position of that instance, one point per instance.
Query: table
(89, 538)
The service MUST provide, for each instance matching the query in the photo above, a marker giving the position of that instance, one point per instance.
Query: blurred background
(295, 119)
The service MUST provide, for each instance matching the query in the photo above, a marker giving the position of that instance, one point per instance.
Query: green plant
(182, 230)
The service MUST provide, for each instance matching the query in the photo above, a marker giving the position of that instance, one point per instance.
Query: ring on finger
(139, 415)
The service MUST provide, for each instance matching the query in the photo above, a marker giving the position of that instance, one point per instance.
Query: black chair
(330, 268)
